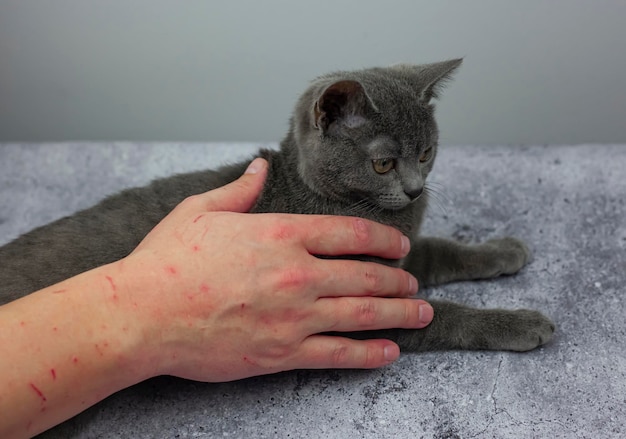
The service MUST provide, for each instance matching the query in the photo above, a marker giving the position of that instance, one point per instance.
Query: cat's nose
(414, 193)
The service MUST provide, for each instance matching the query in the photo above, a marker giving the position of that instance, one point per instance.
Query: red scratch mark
(99, 351)
(110, 279)
(249, 361)
(171, 269)
(197, 218)
(58, 291)
(53, 373)
(204, 288)
(39, 392)
(29, 425)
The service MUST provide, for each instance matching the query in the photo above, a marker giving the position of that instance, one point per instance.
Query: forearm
(64, 348)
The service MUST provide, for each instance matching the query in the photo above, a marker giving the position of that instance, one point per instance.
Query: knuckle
(191, 201)
(277, 347)
(362, 232)
(281, 231)
(374, 281)
(402, 283)
(293, 316)
(366, 313)
(370, 359)
(293, 278)
(340, 355)
(279, 351)
(411, 313)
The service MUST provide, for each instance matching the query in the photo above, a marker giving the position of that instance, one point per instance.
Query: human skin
(211, 294)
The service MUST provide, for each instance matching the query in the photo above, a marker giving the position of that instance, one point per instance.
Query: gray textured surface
(567, 202)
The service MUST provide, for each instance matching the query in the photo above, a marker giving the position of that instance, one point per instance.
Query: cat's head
(370, 134)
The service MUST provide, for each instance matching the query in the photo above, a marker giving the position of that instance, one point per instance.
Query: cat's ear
(431, 78)
(343, 102)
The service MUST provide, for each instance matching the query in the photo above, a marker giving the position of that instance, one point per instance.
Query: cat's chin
(393, 203)
(395, 208)
(367, 204)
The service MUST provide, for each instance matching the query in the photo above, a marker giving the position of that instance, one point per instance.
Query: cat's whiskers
(374, 208)
(438, 188)
(437, 196)
(365, 208)
(360, 207)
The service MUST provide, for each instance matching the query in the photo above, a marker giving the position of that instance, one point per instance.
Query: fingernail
(255, 166)
(406, 245)
(426, 313)
(391, 353)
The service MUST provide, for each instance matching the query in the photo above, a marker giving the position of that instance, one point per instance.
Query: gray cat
(360, 143)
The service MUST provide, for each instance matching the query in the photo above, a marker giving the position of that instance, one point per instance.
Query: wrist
(136, 334)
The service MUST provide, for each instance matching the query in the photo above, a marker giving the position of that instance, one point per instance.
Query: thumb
(241, 194)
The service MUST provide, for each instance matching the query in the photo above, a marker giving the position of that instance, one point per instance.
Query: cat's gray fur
(342, 122)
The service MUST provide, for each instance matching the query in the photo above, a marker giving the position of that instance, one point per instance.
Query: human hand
(222, 295)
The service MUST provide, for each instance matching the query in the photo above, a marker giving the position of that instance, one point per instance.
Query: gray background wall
(534, 72)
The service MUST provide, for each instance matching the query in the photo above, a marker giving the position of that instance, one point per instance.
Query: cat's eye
(382, 166)
(426, 155)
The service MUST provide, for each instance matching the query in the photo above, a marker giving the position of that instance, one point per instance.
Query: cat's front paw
(524, 330)
(508, 255)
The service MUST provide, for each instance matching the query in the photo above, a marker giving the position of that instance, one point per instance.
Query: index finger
(336, 236)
